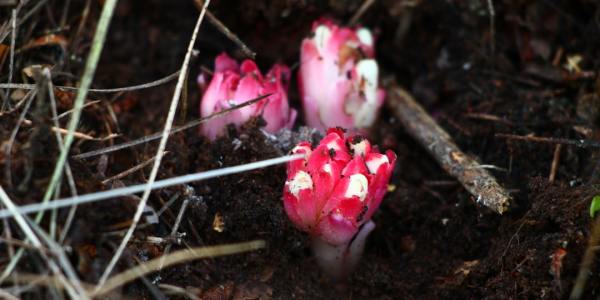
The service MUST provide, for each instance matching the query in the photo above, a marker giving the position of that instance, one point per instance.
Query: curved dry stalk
(158, 135)
(160, 152)
(175, 258)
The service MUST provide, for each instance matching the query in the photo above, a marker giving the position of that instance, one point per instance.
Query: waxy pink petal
(234, 84)
(338, 77)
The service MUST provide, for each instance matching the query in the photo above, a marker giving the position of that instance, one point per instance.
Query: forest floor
(526, 68)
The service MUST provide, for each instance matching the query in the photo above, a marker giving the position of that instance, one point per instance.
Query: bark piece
(473, 176)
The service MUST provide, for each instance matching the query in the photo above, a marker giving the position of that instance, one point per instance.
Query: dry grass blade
(13, 136)
(70, 180)
(93, 197)
(11, 65)
(25, 86)
(86, 81)
(175, 290)
(76, 134)
(130, 170)
(158, 135)
(176, 258)
(66, 113)
(158, 82)
(62, 258)
(6, 295)
(159, 152)
(72, 290)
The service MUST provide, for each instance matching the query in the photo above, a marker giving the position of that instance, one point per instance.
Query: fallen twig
(221, 27)
(76, 134)
(477, 180)
(555, 161)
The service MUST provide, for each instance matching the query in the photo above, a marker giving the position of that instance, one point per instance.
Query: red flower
(337, 187)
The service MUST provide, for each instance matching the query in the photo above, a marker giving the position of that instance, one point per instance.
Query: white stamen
(374, 163)
(358, 186)
(301, 181)
(365, 36)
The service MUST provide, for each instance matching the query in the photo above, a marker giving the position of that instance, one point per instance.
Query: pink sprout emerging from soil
(234, 84)
(333, 193)
(338, 77)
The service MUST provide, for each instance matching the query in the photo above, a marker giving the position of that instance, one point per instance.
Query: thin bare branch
(130, 170)
(360, 12)
(158, 135)
(174, 231)
(537, 139)
(223, 29)
(158, 82)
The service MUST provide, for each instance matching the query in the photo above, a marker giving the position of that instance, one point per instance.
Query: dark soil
(432, 239)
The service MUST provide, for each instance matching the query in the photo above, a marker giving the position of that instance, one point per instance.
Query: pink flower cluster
(338, 84)
(334, 191)
(338, 77)
(337, 187)
(233, 84)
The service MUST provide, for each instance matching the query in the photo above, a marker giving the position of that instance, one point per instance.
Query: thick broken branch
(473, 176)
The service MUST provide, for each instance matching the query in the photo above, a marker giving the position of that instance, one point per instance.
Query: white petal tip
(358, 186)
(301, 181)
(365, 36)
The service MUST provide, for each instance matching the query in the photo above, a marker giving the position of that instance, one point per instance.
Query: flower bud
(338, 77)
(233, 84)
(337, 187)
